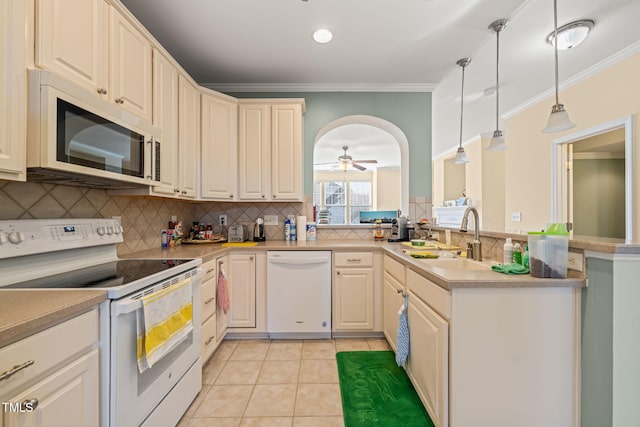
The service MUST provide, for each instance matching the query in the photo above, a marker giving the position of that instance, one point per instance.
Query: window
(344, 200)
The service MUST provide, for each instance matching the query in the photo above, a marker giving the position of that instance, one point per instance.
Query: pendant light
(497, 140)
(461, 157)
(559, 118)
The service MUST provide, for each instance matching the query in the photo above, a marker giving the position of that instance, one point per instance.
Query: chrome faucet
(474, 250)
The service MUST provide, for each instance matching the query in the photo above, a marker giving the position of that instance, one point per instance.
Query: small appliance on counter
(258, 231)
(399, 230)
(237, 233)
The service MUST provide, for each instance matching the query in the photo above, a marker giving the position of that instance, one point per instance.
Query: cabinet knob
(208, 341)
(251, 258)
(274, 196)
(176, 190)
(184, 191)
(119, 100)
(102, 91)
(338, 273)
(30, 404)
(211, 270)
(263, 196)
(209, 301)
(231, 196)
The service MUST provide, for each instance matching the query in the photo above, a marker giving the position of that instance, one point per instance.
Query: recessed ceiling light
(571, 34)
(322, 35)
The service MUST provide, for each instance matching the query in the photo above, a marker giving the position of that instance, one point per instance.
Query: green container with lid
(549, 252)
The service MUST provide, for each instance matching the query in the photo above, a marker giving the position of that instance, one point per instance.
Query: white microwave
(75, 137)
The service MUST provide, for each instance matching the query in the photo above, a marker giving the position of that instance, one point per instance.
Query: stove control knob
(15, 237)
(101, 231)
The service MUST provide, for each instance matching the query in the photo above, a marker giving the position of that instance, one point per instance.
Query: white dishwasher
(299, 294)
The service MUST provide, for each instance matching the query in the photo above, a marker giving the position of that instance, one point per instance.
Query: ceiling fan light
(558, 120)
(497, 142)
(461, 157)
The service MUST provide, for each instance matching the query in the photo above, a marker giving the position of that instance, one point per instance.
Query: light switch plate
(515, 217)
(575, 261)
(271, 220)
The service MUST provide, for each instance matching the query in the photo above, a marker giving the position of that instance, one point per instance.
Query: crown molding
(321, 87)
(617, 57)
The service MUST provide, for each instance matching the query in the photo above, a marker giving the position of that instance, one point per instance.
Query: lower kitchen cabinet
(222, 318)
(393, 293)
(59, 383)
(357, 292)
(489, 355)
(241, 274)
(428, 363)
(209, 285)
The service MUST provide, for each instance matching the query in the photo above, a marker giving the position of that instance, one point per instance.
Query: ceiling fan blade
(366, 161)
(357, 166)
(325, 163)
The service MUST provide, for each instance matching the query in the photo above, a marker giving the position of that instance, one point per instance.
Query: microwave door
(152, 160)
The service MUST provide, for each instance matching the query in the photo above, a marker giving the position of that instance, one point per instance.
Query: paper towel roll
(301, 226)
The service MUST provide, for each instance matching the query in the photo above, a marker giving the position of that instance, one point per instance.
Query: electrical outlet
(271, 220)
(222, 219)
(575, 261)
(515, 217)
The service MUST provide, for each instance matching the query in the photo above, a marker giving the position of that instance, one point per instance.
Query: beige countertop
(447, 278)
(26, 312)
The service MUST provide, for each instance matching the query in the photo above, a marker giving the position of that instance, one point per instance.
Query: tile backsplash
(144, 217)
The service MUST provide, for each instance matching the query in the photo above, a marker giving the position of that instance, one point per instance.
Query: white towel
(402, 339)
(165, 320)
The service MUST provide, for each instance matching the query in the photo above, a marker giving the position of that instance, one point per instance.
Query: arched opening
(361, 164)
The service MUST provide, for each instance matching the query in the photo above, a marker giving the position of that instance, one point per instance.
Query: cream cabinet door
(242, 290)
(428, 364)
(165, 117)
(393, 300)
(130, 77)
(188, 137)
(13, 90)
(254, 151)
(219, 147)
(286, 152)
(69, 397)
(72, 40)
(353, 299)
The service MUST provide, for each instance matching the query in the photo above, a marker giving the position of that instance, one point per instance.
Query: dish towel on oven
(222, 291)
(402, 340)
(165, 320)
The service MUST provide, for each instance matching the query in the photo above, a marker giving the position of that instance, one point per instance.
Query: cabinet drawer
(432, 294)
(353, 259)
(208, 270)
(208, 299)
(209, 341)
(48, 349)
(395, 269)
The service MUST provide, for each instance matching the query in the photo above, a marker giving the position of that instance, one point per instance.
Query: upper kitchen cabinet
(165, 117)
(270, 149)
(96, 46)
(130, 67)
(188, 136)
(72, 40)
(13, 90)
(219, 146)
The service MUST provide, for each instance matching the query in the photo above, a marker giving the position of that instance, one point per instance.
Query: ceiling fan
(345, 161)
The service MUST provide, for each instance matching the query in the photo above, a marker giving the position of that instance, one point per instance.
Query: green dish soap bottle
(525, 259)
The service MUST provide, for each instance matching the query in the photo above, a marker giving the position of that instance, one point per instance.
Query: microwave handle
(154, 153)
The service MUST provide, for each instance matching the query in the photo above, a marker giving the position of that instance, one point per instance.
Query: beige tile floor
(273, 383)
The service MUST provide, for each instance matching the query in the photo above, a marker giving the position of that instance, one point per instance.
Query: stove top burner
(101, 276)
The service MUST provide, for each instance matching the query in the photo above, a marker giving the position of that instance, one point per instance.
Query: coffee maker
(399, 230)
(258, 231)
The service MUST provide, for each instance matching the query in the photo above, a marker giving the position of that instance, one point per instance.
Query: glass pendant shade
(497, 142)
(461, 157)
(558, 120)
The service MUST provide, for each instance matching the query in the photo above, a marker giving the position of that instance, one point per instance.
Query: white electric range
(81, 254)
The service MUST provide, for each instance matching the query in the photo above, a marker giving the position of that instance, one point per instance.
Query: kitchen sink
(456, 263)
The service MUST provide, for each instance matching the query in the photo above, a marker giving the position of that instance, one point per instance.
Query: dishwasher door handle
(295, 261)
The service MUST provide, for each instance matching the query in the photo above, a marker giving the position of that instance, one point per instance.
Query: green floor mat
(376, 392)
